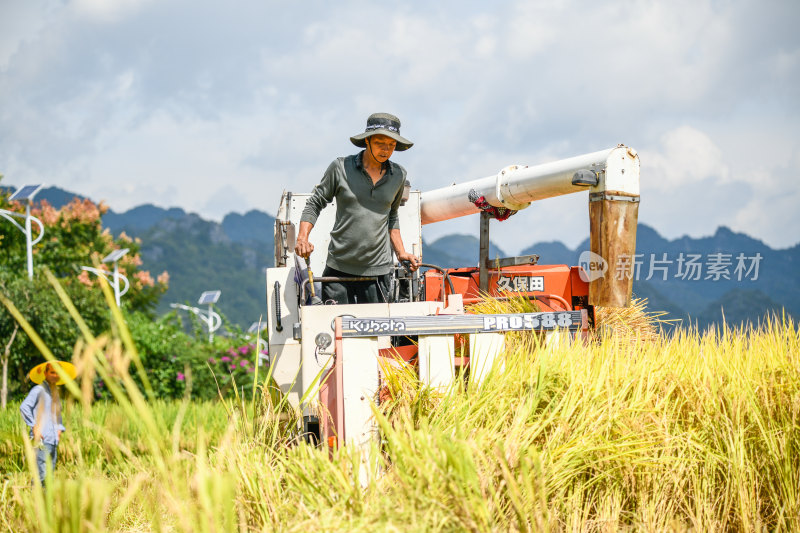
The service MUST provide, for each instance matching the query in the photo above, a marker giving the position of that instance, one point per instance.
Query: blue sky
(219, 106)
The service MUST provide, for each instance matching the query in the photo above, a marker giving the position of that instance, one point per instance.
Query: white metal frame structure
(26, 192)
(261, 343)
(113, 277)
(212, 320)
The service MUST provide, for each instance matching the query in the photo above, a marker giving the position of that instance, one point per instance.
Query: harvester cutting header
(328, 358)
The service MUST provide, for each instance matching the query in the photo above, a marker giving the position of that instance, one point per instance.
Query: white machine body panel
(437, 361)
(286, 370)
(284, 350)
(484, 349)
(622, 173)
(300, 363)
(360, 373)
(287, 301)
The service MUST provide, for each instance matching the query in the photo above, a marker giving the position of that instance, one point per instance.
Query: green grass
(691, 432)
(93, 438)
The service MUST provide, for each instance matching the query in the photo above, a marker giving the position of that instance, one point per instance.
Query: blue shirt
(40, 400)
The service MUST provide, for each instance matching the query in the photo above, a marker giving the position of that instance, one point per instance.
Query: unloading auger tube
(612, 179)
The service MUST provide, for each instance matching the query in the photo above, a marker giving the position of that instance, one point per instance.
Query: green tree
(172, 358)
(73, 237)
(166, 352)
(40, 305)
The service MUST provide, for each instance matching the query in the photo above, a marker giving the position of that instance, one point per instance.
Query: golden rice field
(630, 432)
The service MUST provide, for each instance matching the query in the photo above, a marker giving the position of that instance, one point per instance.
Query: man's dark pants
(373, 291)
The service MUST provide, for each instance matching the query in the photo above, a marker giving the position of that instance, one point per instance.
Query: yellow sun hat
(37, 373)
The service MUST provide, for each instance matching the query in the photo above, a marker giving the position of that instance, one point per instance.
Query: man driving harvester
(368, 189)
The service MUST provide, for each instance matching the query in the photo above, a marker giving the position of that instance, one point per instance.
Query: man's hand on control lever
(411, 260)
(302, 247)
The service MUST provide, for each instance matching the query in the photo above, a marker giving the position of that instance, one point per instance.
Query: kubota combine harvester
(327, 358)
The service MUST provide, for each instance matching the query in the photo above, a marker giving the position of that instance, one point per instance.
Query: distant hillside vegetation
(697, 279)
(199, 254)
(733, 275)
(453, 251)
(202, 255)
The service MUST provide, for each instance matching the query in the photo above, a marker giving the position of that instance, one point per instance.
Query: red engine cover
(555, 287)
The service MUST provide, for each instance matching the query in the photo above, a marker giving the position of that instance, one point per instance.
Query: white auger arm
(612, 179)
(515, 187)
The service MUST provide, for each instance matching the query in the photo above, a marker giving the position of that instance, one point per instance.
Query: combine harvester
(328, 358)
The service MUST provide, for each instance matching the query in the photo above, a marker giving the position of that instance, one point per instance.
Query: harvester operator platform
(368, 189)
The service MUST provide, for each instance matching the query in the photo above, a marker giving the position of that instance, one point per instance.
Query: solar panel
(26, 192)
(115, 255)
(209, 297)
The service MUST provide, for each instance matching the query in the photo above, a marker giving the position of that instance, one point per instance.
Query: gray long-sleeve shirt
(365, 213)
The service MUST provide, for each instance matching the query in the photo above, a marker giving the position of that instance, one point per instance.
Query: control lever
(315, 300)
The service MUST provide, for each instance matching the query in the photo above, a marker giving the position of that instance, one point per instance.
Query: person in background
(41, 412)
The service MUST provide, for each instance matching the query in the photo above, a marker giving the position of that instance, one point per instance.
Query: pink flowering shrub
(236, 365)
(74, 237)
(144, 279)
(84, 278)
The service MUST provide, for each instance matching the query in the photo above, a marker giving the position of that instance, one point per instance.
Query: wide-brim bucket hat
(382, 124)
(37, 373)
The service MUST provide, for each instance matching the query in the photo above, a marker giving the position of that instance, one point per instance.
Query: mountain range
(697, 280)
(692, 279)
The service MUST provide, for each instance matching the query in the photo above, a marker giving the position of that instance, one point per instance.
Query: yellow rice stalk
(634, 321)
(513, 304)
(694, 433)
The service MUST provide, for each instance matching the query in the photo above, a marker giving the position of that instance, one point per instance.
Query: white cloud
(107, 10)
(123, 99)
(691, 184)
(21, 21)
(226, 199)
(685, 155)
